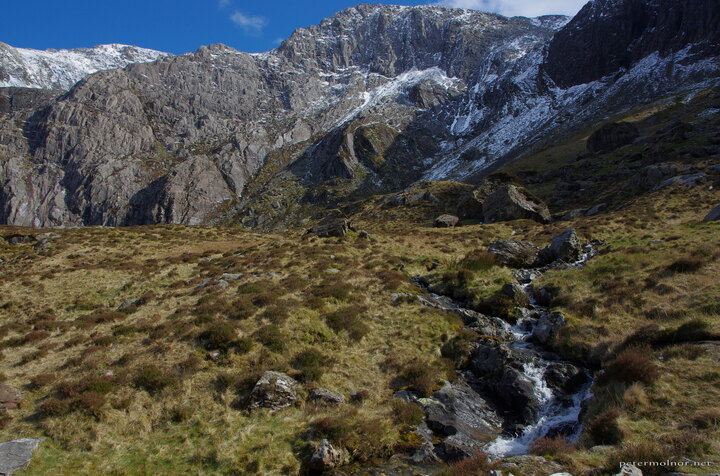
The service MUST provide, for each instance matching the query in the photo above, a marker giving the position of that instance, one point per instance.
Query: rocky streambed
(510, 389)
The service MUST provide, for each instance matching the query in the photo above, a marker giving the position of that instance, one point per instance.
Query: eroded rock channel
(510, 388)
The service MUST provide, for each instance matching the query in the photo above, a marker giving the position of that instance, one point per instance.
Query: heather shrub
(634, 364)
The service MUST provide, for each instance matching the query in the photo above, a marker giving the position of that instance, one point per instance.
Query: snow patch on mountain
(61, 69)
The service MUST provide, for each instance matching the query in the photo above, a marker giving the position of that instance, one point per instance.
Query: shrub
(634, 364)
(336, 290)
(349, 319)
(688, 264)
(53, 407)
(181, 413)
(311, 364)
(218, 336)
(641, 452)
(547, 446)
(406, 413)
(271, 337)
(476, 465)
(478, 260)
(152, 379)
(459, 348)
(391, 280)
(363, 436)
(90, 403)
(604, 429)
(422, 377)
(42, 380)
(241, 308)
(707, 418)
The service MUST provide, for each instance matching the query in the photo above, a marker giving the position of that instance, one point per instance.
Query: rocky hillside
(371, 100)
(61, 69)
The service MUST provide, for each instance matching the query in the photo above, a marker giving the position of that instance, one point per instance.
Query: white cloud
(223, 3)
(251, 25)
(526, 8)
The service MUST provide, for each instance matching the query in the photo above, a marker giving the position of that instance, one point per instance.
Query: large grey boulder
(16, 455)
(324, 396)
(331, 226)
(548, 327)
(565, 246)
(714, 214)
(274, 390)
(514, 254)
(510, 202)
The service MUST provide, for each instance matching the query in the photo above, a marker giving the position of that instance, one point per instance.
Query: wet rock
(511, 202)
(326, 397)
(326, 457)
(274, 390)
(446, 221)
(565, 377)
(514, 254)
(548, 327)
(16, 455)
(516, 294)
(331, 226)
(458, 409)
(612, 136)
(10, 398)
(425, 452)
(714, 214)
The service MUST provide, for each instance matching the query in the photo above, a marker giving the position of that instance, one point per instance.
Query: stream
(554, 389)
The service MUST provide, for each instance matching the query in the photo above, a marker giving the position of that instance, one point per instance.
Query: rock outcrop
(612, 136)
(510, 202)
(446, 221)
(714, 214)
(515, 254)
(326, 457)
(16, 455)
(274, 390)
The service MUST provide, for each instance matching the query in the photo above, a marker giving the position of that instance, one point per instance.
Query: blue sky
(180, 26)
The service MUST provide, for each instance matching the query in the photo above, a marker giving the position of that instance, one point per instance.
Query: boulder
(511, 202)
(516, 294)
(565, 377)
(612, 136)
(565, 246)
(514, 254)
(714, 214)
(687, 180)
(629, 470)
(548, 327)
(471, 206)
(16, 455)
(326, 457)
(326, 397)
(446, 221)
(331, 226)
(274, 390)
(17, 239)
(458, 409)
(595, 210)
(10, 398)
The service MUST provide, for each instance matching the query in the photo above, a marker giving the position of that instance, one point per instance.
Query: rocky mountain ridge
(62, 69)
(371, 100)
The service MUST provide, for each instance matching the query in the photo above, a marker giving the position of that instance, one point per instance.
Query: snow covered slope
(61, 69)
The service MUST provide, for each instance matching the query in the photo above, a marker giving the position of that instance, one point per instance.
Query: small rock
(446, 221)
(10, 398)
(327, 397)
(214, 356)
(364, 235)
(630, 470)
(274, 390)
(223, 284)
(231, 276)
(595, 210)
(332, 270)
(714, 214)
(128, 304)
(47, 236)
(16, 455)
(516, 294)
(326, 457)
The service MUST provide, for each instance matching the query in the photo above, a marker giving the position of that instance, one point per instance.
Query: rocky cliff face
(372, 99)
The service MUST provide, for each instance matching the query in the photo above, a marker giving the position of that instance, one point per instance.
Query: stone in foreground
(274, 390)
(16, 455)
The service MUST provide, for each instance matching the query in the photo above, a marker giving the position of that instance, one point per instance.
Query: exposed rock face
(10, 398)
(274, 390)
(612, 136)
(515, 254)
(512, 203)
(714, 214)
(608, 35)
(565, 246)
(326, 457)
(16, 455)
(446, 221)
(548, 327)
(370, 100)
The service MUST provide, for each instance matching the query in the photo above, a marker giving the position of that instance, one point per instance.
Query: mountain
(61, 69)
(369, 101)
